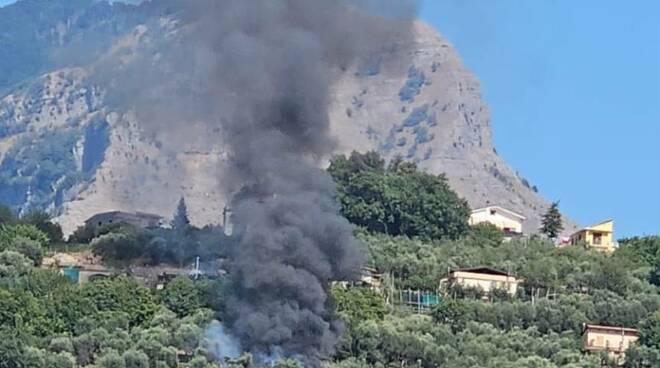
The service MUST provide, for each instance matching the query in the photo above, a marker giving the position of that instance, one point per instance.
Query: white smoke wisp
(220, 343)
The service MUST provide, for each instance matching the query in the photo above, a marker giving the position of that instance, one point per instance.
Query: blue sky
(573, 89)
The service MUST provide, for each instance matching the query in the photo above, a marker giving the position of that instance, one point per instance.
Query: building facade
(371, 278)
(613, 340)
(137, 219)
(507, 221)
(599, 237)
(484, 278)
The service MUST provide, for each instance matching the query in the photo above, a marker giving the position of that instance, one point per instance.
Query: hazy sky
(5, 2)
(573, 89)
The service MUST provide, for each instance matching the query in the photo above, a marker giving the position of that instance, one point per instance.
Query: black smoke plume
(276, 64)
(260, 73)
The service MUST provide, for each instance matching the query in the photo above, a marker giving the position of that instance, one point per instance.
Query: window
(598, 238)
(493, 212)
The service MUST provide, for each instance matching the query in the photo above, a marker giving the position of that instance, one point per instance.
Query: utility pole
(225, 220)
(225, 210)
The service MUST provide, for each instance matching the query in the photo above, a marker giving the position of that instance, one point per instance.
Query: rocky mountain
(67, 144)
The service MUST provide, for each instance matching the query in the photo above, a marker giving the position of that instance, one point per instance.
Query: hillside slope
(64, 146)
(434, 114)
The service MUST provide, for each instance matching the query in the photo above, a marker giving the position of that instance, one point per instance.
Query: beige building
(137, 219)
(485, 278)
(506, 220)
(371, 278)
(614, 340)
(599, 237)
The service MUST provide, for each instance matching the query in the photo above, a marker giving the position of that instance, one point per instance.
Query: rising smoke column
(260, 72)
(276, 62)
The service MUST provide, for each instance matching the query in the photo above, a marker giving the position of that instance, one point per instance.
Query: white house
(506, 220)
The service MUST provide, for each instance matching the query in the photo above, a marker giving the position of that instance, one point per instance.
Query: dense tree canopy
(359, 303)
(398, 199)
(563, 288)
(45, 321)
(25, 239)
(123, 245)
(42, 221)
(181, 296)
(107, 323)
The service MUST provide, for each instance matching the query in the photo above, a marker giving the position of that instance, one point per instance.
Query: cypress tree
(180, 220)
(552, 223)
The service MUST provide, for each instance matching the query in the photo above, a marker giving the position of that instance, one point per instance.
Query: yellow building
(613, 340)
(506, 220)
(599, 236)
(484, 278)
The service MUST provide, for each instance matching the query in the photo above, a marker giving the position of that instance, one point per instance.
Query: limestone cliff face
(434, 114)
(429, 111)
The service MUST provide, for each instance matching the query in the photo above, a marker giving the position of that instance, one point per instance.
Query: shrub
(42, 221)
(181, 296)
(61, 345)
(136, 359)
(13, 264)
(111, 359)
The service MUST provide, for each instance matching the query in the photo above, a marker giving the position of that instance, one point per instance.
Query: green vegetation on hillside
(539, 327)
(117, 322)
(47, 322)
(122, 245)
(397, 199)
